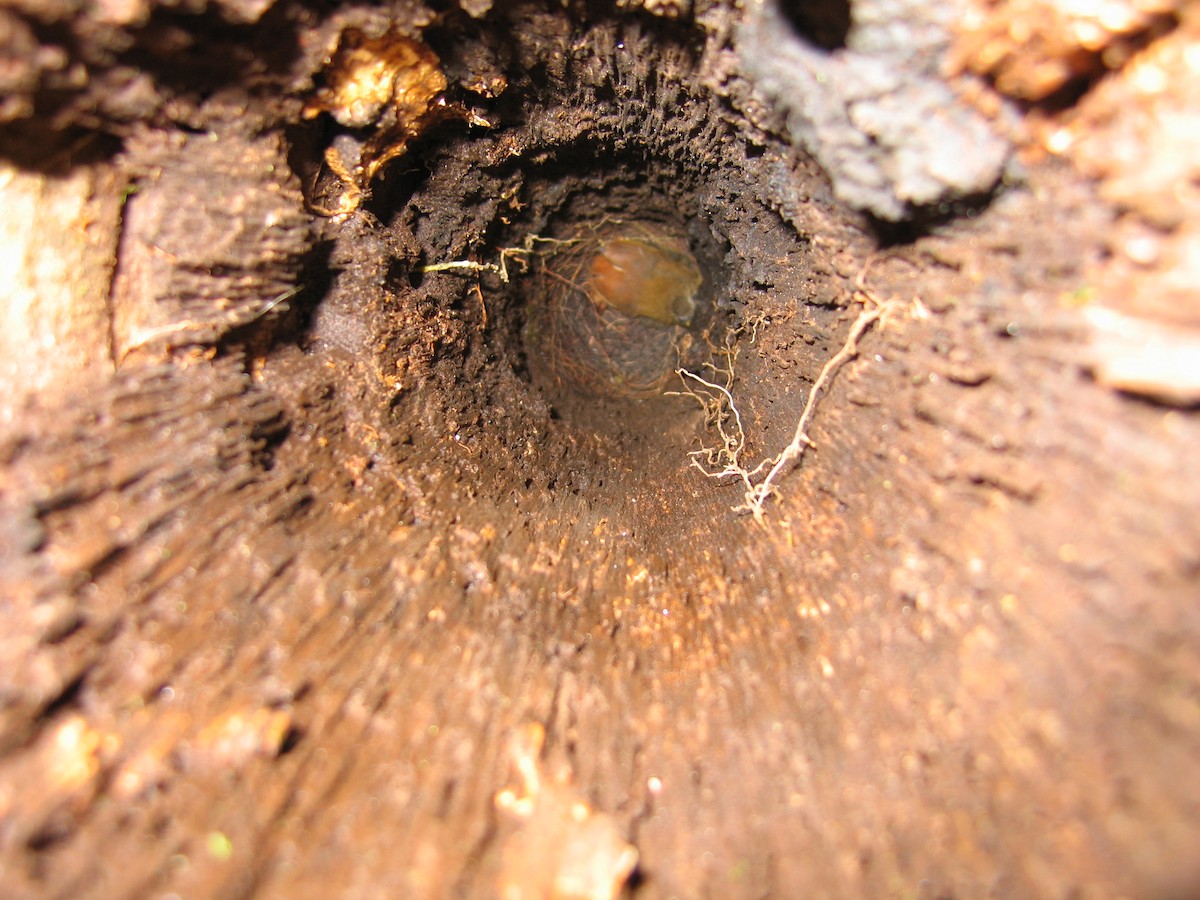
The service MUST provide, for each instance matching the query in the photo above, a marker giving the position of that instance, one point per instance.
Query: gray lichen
(875, 114)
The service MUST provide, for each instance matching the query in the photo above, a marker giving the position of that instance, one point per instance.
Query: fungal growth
(613, 311)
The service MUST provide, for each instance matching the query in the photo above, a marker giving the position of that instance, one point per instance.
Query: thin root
(519, 255)
(721, 413)
(758, 494)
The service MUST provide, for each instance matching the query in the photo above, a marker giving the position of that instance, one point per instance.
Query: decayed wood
(838, 700)
(58, 240)
(351, 609)
(122, 475)
(213, 238)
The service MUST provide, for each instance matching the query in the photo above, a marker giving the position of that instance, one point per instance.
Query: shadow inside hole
(826, 24)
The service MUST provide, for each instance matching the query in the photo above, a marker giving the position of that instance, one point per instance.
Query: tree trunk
(356, 539)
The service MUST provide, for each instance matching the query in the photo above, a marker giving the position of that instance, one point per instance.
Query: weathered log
(335, 585)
